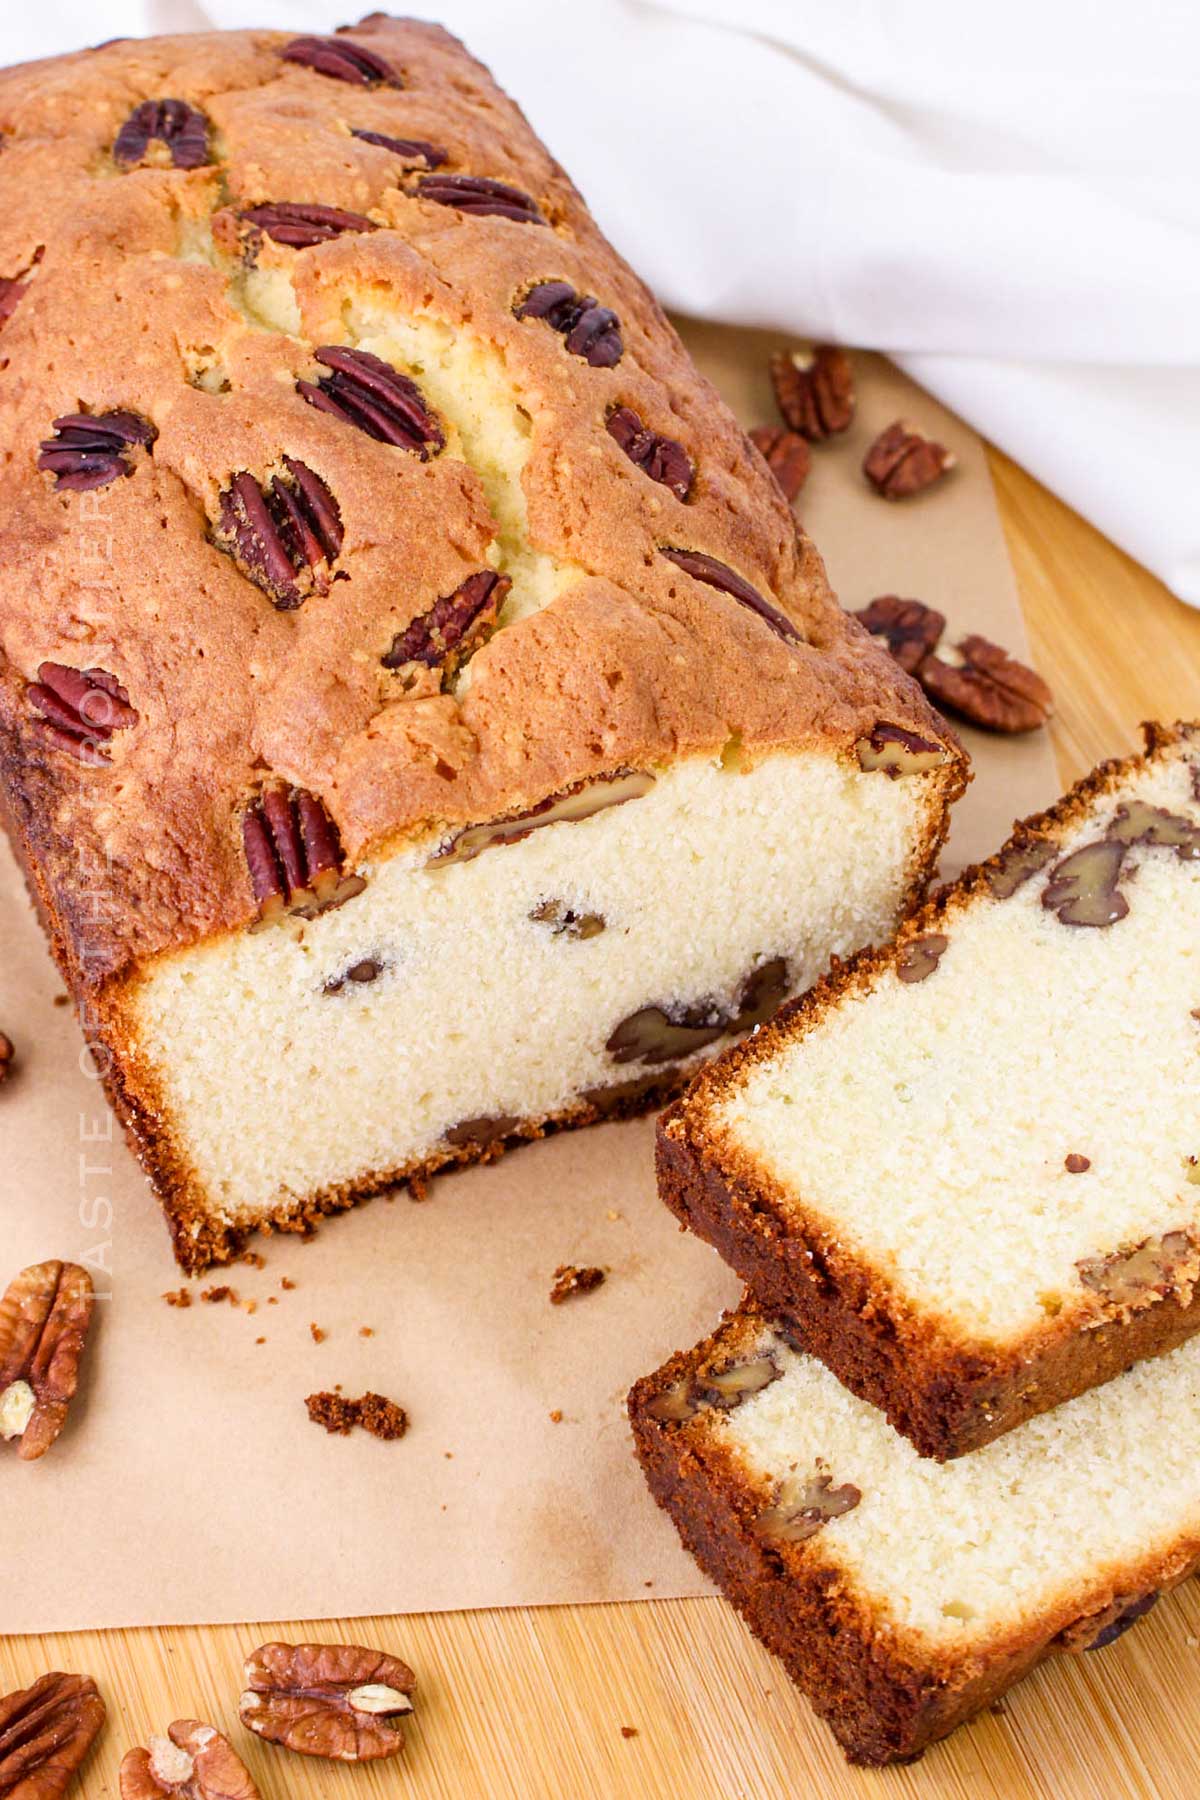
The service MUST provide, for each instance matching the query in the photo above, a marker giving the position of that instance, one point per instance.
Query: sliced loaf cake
(965, 1169)
(904, 1595)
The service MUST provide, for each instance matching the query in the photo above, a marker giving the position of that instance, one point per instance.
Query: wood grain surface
(531, 1704)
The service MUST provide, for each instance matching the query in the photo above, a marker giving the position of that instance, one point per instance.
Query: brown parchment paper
(190, 1486)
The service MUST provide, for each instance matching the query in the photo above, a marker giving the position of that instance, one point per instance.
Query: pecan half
(1135, 1276)
(341, 60)
(368, 393)
(193, 1761)
(284, 536)
(299, 227)
(786, 454)
(658, 1034)
(987, 686)
(722, 1388)
(482, 1132)
(377, 1416)
(909, 628)
(1083, 888)
(902, 462)
(576, 803)
(803, 1506)
(411, 149)
(896, 751)
(662, 459)
(294, 855)
(570, 1281)
(79, 710)
(441, 637)
(1137, 822)
(46, 1732)
(1015, 865)
(332, 1700)
(814, 389)
(480, 196)
(920, 957)
(89, 451)
(44, 1319)
(182, 130)
(591, 331)
(1095, 1631)
(719, 575)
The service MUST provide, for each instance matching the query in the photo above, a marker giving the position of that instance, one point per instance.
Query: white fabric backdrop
(1007, 199)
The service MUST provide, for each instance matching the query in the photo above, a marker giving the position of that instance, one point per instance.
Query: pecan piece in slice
(333, 1700)
(786, 454)
(802, 1507)
(663, 459)
(193, 1761)
(1017, 863)
(658, 1034)
(987, 686)
(410, 149)
(79, 710)
(564, 921)
(46, 1732)
(590, 330)
(719, 575)
(902, 462)
(294, 855)
(89, 451)
(814, 390)
(182, 131)
(478, 195)
(284, 536)
(909, 628)
(896, 751)
(368, 393)
(299, 227)
(921, 956)
(576, 803)
(1136, 1275)
(441, 637)
(44, 1319)
(342, 60)
(1137, 822)
(1083, 888)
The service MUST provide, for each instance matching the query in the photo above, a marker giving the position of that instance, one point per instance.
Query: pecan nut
(721, 1388)
(719, 575)
(285, 535)
(411, 149)
(480, 196)
(78, 710)
(1136, 1275)
(814, 390)
(1137, 822)
(193, 1761)
(569, 807)
(1095, 1631)
(1017, 863)
(338, 1701)
(44, 1319)
(342, 60)
(909, 628)
(299, 227)
(902, 461)
(987, 686)
(658, 1034)
(897, 751)
(46, 1732)
(364, 391)
(181, 130)
(89, 452)
(786, 454)
(1083, 889)
(662, 458)
(294, 856)
(920, 957)
(443, 636)
(590, 330)
(804, 1506)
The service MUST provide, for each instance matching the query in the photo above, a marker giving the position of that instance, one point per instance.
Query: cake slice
(902, 1594)
(965, 1168)
(420, 720)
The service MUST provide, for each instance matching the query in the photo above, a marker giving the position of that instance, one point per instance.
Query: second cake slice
(965, 1169)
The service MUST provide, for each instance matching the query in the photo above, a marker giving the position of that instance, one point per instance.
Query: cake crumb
(380, 1417)
(252, 1307)
(568, 1281)
(556, 1416)
(366, 1331)
(613, 1215)
(260, 1340)
(418, 1188)
(178, 1297)
(629, 1731)
(213, 1296)
(62, 999)
(253, 1259)
(285, 1281)
(318, 1336)
(272, 1299)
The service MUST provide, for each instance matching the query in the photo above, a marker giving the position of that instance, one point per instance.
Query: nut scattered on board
(814, 389)
(338, 1701)
(46, 1731)
(7, 1056)
(569, 1281)
(987, 686)
(44, 1319)
(193, 1761)
(786, 454)
(381, 1417)
(902, 461)
(908, 628)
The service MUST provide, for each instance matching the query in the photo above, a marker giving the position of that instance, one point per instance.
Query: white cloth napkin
(1004, 198)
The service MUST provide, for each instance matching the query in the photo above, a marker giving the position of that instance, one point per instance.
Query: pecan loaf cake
(966, 1169)
(902, 1594)
(420, 719)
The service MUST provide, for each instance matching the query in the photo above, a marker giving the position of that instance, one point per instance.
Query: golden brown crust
(945, 1391)
(634, 663)
(884, 1694)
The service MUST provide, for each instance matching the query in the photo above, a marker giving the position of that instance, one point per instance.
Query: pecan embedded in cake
(589, 330)
(481, 197)
(300, 227)
(78, 710)
(662, 458)
(342, 60)
(294, 855)
(371, 395)
(181, 130)
(285, 535)
(410, 149)
(719, 575)
(89, 450)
